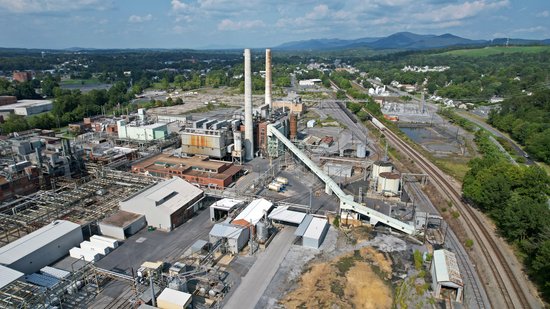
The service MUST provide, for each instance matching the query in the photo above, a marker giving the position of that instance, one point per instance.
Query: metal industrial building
(26, 107)
(236, 236)
(446, 277)
(213, 143)
(8, 275)
(166, 204)
(138, 132)
(41, 247)
(222, 208)
(122, 224)
(313, 231)
(254, 212)
(281, 214)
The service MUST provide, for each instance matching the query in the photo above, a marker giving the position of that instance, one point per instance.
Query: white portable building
(446, 275)
(312, 230)
(174, 299)
(111, 243)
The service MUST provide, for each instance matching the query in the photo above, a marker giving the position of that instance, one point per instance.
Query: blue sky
(256, 23)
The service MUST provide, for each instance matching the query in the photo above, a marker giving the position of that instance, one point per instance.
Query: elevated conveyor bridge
(346, 200)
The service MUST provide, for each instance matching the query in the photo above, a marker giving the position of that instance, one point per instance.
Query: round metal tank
(293, 126)
(381, 167)
(361, 151)
(274, 186)
(237, 136)
(388, 184)
(282, 180)
(261, 232)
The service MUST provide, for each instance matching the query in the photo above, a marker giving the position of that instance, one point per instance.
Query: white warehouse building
(446, 277)
(42, 247)
(167, 204)
(137, 132)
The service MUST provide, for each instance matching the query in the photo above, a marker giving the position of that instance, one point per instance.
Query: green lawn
(493, 50)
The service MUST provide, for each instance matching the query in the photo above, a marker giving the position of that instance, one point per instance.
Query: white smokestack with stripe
(248, 125)
(268, 77)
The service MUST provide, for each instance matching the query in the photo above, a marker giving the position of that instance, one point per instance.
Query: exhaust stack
(268, 77)
(248, 125)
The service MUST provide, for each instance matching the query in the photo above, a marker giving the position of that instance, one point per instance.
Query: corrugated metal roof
(198, 245)
(446, 267)
(181, 299)
(29, 243)
(55, 272)
(169, 196)
(8, 275)
(285, 215)
(42, 280)
(301, 230)
(224, 230)
(315, 228)
(226, 204)
(254, 212)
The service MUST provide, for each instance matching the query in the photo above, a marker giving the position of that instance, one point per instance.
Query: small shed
(446, 278)
(283, 215)
(312, 230)
(122, 224)
(236, 236)
(174, 299)
(311, 123)
(223, 207)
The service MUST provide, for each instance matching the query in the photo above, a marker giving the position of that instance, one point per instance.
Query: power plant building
(167, 204)
(26, 107)
(42, 247)
(198, 170)
(213, 143)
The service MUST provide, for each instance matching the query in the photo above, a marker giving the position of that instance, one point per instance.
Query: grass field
(494, 50)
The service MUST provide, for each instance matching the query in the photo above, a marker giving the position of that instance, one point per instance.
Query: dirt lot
(351, 280)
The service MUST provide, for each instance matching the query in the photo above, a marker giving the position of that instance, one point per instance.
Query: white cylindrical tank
(381, 167)
(274, 186)
(361, 150)
(238, 141)
(388, 184)
(282, 180)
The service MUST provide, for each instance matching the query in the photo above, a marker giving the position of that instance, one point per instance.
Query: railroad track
(512, 293)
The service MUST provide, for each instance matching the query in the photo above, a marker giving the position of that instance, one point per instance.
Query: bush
(469, 243)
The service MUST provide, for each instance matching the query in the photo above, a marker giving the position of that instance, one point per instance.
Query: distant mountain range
(402, 40)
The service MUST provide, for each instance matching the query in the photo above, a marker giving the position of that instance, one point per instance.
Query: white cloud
(140, 19)
(37, 6)
(530, 29)
(544, 14)
(179, 5)
(229, 25)
(460, 11)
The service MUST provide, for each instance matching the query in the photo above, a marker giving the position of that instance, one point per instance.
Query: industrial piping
(268, 77)
(248, 125)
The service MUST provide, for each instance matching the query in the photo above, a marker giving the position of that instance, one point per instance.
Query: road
(497, 133)
(259, 276)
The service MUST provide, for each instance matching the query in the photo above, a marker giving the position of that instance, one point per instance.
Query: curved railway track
(512, 293)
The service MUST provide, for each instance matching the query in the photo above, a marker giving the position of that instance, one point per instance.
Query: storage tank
(361, 151)
(274, 186)
(282, 180)
(381, 167)
(238, 140)
(262, 232)
(388, 184)
(293, 126)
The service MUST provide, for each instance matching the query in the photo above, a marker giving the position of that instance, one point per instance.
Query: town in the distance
(400, 171)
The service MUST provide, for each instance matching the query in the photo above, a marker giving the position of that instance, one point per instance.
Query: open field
(80, 81)
(494, 50)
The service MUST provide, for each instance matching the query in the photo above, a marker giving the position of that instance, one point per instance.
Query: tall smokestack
(248, 125)
(268, 77)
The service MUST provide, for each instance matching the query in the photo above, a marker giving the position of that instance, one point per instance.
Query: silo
(381, 167)
(388, 184)
(361, 150)
(293, 126)
(262, 232)
(238, 140)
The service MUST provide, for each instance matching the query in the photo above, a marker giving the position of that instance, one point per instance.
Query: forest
(527, 120)
(516, 198)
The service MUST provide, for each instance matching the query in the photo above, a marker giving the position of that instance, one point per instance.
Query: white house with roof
(446, 279)
(166, 204)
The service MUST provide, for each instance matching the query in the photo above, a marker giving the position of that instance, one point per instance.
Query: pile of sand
(332, 285)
